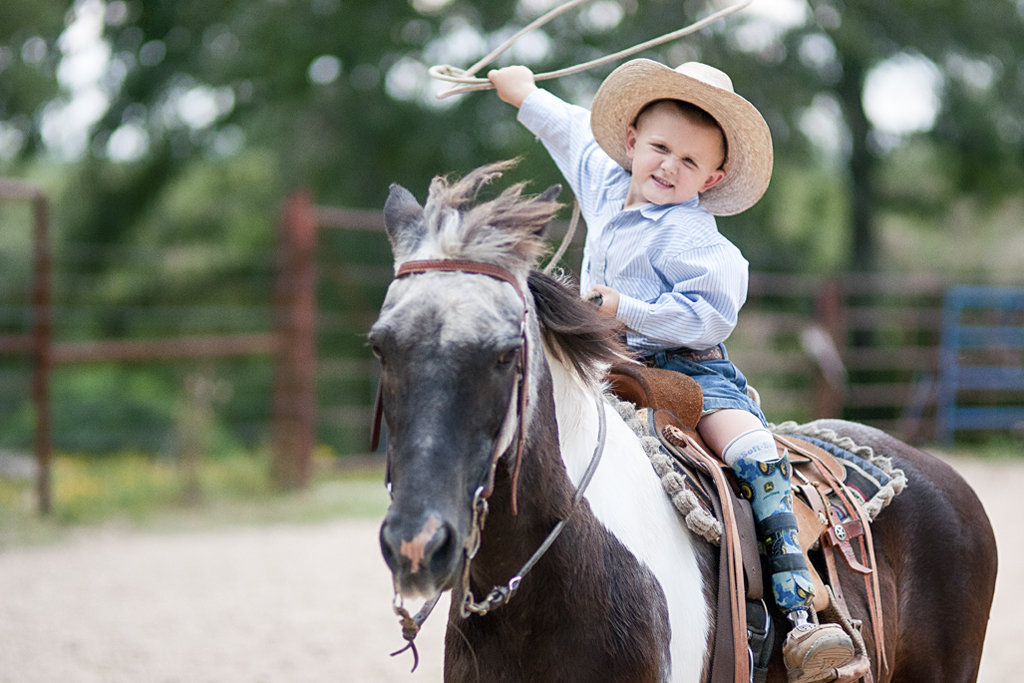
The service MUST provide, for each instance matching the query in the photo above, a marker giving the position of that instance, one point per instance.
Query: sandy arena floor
(296, 604)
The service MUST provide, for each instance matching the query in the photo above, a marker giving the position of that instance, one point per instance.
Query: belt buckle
(713, 353)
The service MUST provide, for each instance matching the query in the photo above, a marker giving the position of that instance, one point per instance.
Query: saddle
(830, 516)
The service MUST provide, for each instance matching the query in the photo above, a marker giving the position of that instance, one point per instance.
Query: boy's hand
(513, 83)
(610, 304)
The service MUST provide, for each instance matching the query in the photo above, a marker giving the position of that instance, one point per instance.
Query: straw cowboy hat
(628, 89)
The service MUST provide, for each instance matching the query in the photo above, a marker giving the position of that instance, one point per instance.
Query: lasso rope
(565, 240)
(467, 81)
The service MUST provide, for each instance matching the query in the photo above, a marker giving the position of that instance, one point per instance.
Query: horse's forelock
(507, 230)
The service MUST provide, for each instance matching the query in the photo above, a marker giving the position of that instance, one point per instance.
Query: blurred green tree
(175, 128)
(963, 62)
(337, 92)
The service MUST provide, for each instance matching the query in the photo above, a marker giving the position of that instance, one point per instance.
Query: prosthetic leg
(811, 652)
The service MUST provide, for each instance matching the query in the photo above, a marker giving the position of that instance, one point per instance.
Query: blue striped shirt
(681, 283)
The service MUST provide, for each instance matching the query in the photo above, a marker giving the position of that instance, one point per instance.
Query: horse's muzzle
(424, 559)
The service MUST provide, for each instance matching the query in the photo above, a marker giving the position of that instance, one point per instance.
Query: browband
(456, 266)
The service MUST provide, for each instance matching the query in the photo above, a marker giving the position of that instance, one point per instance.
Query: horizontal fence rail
(860, 347)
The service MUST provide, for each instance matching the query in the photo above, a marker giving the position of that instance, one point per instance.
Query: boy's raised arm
(513, 83)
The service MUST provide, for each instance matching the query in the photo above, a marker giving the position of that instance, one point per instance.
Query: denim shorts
(724, 386)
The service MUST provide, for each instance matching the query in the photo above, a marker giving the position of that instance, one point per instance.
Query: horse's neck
(544, 494)
(627, 498)
(624, 499)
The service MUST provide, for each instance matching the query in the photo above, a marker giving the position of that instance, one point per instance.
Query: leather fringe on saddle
(831, 519)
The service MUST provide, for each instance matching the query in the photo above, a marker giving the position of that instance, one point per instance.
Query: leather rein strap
(522, 364)
(730, 659)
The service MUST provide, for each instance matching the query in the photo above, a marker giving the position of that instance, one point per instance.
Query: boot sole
(820, 663)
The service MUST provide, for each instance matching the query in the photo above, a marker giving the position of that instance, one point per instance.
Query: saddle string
(468, 82)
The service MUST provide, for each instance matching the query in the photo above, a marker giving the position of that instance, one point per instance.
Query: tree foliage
(334, 89)
(177, 127)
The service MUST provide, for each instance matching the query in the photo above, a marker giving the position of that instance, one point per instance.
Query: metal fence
(298, 374)
(262, 353)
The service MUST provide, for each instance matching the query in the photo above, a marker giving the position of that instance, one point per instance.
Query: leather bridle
(522, 363)
(499, 595)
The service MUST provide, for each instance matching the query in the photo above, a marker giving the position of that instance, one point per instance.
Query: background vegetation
(168, 132)
(136, 491)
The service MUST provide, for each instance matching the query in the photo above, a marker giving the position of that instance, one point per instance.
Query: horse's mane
(573, 330)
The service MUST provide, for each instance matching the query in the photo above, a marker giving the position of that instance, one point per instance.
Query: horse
(492, 392)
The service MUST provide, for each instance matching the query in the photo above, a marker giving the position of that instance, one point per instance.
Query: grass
(141, 492)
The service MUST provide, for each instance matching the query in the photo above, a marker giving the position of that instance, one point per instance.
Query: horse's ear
(403, 217)
(548, 196)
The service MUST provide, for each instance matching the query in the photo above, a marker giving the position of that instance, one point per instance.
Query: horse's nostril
(387, 546)
(430, 550)
(441, 549)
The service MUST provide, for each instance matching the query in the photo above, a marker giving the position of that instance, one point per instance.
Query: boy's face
(673, 158)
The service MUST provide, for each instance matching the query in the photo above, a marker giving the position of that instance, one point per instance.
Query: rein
(498, 595)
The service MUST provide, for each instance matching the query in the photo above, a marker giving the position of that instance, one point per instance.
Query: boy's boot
(811, 652)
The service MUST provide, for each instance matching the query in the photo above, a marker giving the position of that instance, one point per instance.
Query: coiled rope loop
(466, 81)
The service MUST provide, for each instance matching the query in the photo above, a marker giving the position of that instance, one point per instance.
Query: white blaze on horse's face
(448, 343)
(455, 308)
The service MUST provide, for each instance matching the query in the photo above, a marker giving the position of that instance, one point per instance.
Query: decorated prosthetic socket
(765, 483)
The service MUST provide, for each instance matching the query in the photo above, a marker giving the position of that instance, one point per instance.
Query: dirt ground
(294, 604)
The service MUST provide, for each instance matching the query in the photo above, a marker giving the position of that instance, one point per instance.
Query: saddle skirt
(836, 495)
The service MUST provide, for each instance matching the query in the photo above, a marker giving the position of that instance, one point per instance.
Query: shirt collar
(655, 212)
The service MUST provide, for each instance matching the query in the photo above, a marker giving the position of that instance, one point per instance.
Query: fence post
(295, 329)
(829, 312)
(42, 339)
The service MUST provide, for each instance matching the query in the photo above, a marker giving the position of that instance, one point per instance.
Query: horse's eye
(377, 353)
(506, 359)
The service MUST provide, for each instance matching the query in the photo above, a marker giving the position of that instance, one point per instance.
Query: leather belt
(714, 353)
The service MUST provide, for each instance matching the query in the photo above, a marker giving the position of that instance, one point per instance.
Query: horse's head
(452, 346)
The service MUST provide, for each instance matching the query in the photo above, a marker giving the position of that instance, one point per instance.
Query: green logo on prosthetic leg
(766, 485)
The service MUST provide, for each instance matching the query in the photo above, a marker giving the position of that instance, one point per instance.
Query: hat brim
(637, 83)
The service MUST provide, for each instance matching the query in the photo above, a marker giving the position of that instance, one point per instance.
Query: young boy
(661, 152)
